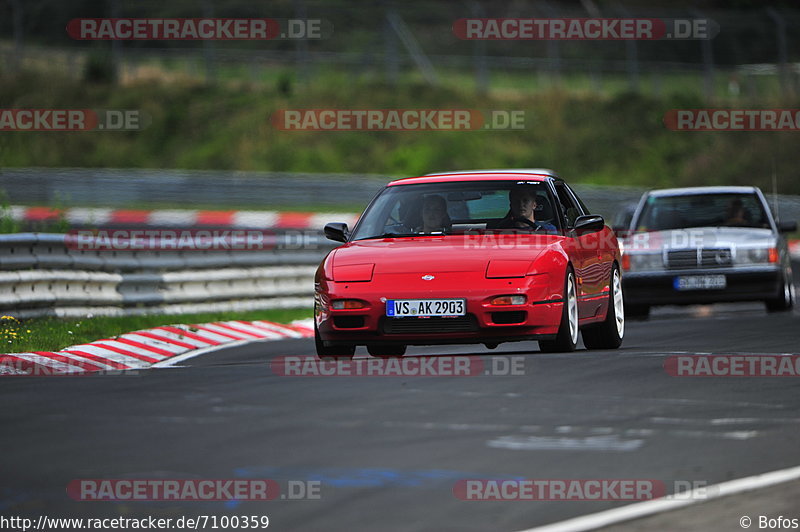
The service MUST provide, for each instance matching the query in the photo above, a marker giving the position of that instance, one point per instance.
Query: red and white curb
(156, 347)
(183, 217)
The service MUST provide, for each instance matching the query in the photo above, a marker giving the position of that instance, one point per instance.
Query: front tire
(785, 301)
(609, 333)
(334, 351)
(567, 337)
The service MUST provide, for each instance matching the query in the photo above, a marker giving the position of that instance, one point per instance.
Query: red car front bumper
(538, 318)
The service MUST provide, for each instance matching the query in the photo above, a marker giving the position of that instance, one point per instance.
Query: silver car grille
(687, 259)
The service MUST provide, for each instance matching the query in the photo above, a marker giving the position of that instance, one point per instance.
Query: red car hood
(452, 253)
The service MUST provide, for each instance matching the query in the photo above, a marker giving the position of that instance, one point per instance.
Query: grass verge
(52, 334)
(616, 138)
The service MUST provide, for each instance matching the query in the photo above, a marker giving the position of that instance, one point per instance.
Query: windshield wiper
(401, 235)
(388, 235)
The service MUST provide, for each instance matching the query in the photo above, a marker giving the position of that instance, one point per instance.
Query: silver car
(705, 245)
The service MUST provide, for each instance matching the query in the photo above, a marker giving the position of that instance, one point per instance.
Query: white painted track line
(686, 498)
(172, 361)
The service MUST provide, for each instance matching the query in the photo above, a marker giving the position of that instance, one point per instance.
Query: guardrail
(275, 221)
(123, 187)
(41, 275)
(112, 191)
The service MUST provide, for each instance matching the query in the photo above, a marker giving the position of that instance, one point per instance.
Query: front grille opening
(685, 258)
(704, 258)
(509, 316)
(430, 325)
(348, 322)
(716, 258)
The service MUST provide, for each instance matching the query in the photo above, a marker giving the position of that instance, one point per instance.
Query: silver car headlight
(640, 262)
(762, 255)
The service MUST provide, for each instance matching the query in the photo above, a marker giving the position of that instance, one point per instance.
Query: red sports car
(470, 257)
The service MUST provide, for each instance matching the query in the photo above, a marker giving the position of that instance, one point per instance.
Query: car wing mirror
(787, 227)
(589, 223)
(336, 231)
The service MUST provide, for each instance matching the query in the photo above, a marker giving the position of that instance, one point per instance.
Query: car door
(588, 261)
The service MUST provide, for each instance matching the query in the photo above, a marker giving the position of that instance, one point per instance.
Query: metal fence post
(17, 14)
(301, 45)
(780, 32)
(412, 46)
(209, 51)
(595, 75)
(392, 64)
(553, 49)
(631, 54)
(116, 46)
(479, 54)
(708, 61)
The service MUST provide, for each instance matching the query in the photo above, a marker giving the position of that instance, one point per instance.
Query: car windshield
(661, 213)
(456, 208)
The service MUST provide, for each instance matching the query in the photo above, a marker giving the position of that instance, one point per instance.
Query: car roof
(687, 191)
(532, 174)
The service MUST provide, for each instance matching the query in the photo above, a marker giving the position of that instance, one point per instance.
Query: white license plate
(400, 308)
(700, 282)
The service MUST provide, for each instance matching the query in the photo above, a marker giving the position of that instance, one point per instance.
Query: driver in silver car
(737, 215)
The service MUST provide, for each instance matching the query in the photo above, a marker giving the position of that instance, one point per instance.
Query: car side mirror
(589, 223)
(336, 231)
(787, 227)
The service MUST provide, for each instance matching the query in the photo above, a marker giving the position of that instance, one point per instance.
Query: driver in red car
(522, 213)
(434, 215)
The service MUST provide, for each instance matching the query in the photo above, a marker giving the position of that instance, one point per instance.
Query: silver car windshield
(662, 213)
(455, 207)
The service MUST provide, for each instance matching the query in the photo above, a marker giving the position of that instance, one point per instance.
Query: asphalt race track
(387, 451)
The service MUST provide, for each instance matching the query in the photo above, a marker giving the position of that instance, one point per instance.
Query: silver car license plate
(700, 282)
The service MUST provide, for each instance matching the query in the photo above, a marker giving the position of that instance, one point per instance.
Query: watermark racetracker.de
(40, 366)
(597, 489)
(416, 366)
(160, 489)
(149, 522)
(73, 120)
(172, 239)
(397, 120)
(732, 119)
(733, 365)
(583, 29)
(194, 29)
